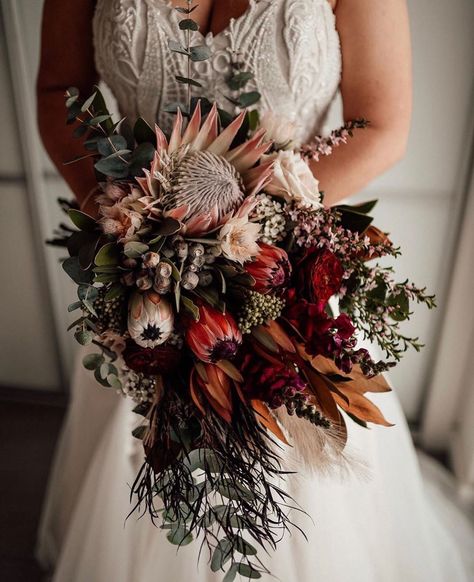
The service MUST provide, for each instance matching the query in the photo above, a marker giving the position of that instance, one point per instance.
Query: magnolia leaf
(362, 408)
(280, 336)
(167, 227)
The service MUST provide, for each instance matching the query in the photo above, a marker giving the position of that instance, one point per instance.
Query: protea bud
(215, 336)
(150, 319)
(271, 269)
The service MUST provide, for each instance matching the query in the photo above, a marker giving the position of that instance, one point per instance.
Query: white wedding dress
(376, 528)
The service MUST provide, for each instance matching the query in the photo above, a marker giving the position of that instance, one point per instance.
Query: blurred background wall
(425, 203)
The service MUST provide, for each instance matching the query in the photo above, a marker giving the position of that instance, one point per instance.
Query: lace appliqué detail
(291, 46)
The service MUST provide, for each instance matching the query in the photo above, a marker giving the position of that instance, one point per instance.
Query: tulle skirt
(379, 526)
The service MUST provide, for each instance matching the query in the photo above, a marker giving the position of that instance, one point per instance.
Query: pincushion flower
(215, 336)
(196, 178)
(271, 268)
(319, 275)
(238, 237)
(150, 319)
(293, 180)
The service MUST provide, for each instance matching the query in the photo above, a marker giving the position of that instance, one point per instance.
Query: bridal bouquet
(204, 287)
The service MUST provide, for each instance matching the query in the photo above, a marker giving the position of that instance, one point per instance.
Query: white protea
(150, 319)
(195, 176)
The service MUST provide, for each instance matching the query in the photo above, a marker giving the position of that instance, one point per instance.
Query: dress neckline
(173, 15)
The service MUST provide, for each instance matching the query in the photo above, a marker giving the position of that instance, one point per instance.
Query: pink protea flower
(150, 319)
(196, 178)
(271, 268)
(215, 336)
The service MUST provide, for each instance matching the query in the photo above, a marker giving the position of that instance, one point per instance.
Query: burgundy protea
(274, 384)
(215, 336)
(319, 275)
(271, 269)
(151, 361)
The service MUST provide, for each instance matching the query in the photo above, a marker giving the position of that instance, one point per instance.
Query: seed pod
(151, 260)
(164, 270)
(189, 280)
(205, 278)
(144, 283)
(196, 250)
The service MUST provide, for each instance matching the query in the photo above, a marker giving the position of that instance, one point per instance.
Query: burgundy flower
(333, 338)
(271, 269)
(268, 382)
(151, 361)
(319, 275)
(215, 336)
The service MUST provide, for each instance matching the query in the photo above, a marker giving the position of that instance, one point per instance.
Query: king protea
(196, 178)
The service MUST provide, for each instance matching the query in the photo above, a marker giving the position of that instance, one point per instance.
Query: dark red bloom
(215, 336)
(319, 275)
(271, 269)
(151, 361)
(273, 384)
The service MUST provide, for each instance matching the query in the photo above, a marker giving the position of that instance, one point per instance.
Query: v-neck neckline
(210, 33)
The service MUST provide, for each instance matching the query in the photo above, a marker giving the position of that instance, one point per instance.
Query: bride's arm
(67, 59)
(376, 85)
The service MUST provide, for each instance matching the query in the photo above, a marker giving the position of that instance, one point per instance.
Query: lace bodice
(291, 47)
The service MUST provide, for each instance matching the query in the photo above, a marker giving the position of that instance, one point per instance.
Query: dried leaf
(280, 336)
(265, 417)
(230, 370)
(362, 408)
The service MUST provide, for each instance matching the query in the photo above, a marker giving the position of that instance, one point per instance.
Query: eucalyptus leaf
(199, 53)
(107, 255)
(177, 47)
(179, 536)
(188, 24)
(84, 337)
(109, 145)
(117, 290)
(239, 80)
(187, 81)
(248, 571)
(141, 157)
(72, 267)
(221, 555)
(92, 361)
(248, 99)
(113, 166)
(135, 249)
(82, 220)
(142, 132)
(102, 381)
(231, 573)
(74, 306)
(88, 102)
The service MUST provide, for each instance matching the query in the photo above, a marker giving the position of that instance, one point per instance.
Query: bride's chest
(290, 46)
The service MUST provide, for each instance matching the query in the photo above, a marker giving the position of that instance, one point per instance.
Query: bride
(378, 528)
